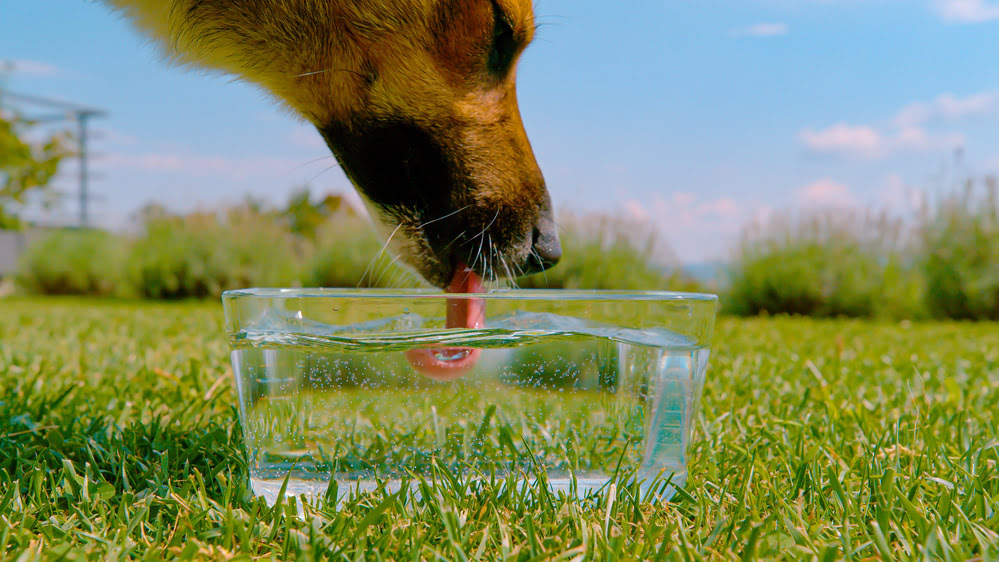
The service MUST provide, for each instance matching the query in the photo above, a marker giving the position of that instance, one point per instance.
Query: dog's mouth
(461, 253)
(444, 207)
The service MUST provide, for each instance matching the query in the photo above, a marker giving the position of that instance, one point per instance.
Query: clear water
(577, 401)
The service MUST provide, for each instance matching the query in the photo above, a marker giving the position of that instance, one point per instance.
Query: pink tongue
(465, 312)
(449, 363)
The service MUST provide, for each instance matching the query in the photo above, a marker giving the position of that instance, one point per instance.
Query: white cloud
(948, 107)
(866, 142)
(29, 68)
(845, 139)
(766, 29)
(826, 192)
(968, 11)
(914, 128)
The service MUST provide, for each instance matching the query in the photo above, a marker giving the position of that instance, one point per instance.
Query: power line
(49, 102)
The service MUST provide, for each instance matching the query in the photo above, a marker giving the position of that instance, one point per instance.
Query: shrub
(961, 241)
(203, 254)
(610, 252)
(349, 254)
(74, 262)
(825, 263)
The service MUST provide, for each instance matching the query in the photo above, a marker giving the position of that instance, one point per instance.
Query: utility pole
(81, 120)
(81, 115)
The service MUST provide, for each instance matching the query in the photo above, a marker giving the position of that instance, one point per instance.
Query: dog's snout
(546, 248)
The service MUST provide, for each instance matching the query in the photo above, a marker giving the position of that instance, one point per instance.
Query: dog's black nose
(546, 249)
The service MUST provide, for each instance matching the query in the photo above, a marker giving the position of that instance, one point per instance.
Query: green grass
(818, 439)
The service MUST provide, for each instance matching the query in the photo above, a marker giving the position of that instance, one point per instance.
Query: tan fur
(370, 61)
(320, 72)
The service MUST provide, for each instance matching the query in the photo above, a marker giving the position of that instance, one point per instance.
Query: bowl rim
(493, 294)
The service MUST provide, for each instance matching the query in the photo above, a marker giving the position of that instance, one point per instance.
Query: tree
(305, 217)
(25, 167)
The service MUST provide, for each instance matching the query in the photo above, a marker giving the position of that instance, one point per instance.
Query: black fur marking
(393, 163)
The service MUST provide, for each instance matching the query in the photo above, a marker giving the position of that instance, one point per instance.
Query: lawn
(819, 440)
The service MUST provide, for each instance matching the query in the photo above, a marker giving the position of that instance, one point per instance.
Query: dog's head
(417, 100)
(438, 148)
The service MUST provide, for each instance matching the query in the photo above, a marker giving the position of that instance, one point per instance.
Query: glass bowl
(346, 391)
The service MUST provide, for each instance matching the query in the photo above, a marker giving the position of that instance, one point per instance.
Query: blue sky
(695, 115)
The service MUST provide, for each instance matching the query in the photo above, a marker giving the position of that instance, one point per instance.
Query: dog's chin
(435, 270)
(413, 252)
(442, 273)
(436, 273)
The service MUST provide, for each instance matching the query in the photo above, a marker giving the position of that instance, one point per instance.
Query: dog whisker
(488, 226)
(313, 178)
(496, 216)
(519, 270)
(491, 255)
(543, 272)
(378, 255)
(444, 217)
(494, 259)
(478, 254)
(386, 268)
(456, 238)
(310, 162)
(484, 252)
(401, 275)
(511, 282)
(314, 72)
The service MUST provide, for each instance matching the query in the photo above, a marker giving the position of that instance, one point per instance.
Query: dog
(417, 101)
